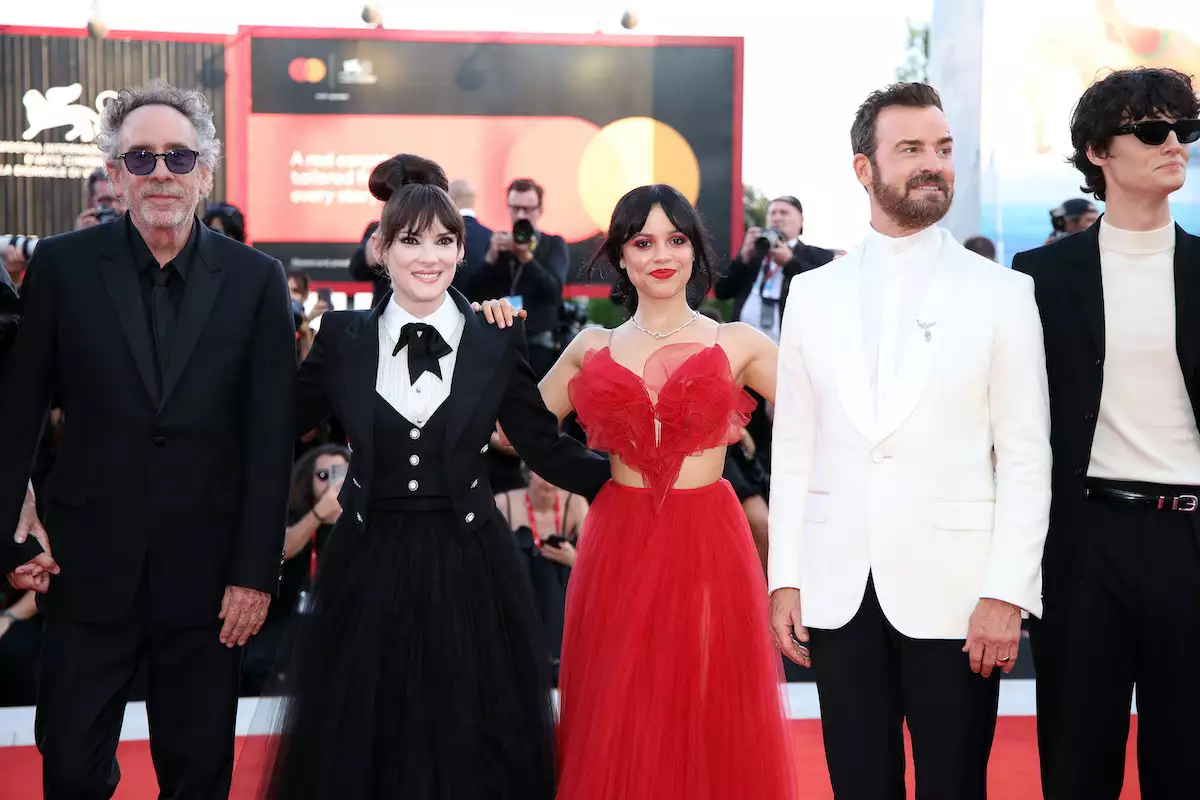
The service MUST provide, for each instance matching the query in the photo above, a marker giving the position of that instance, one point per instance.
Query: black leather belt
(1184, 503)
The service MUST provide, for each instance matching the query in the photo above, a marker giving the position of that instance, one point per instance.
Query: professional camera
(522, 231)
(106, 213)
(767, 240)
(572, 317)
(25, 244)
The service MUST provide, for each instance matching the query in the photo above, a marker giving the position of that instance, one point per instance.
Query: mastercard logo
(307, 70)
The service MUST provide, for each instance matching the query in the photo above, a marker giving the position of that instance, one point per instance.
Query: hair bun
(405, 169)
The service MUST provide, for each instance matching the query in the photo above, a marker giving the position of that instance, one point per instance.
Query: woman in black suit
(416, 672)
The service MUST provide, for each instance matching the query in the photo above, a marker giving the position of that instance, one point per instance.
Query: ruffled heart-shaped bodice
(687, 389)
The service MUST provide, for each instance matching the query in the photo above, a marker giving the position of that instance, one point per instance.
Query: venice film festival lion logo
(57, 108)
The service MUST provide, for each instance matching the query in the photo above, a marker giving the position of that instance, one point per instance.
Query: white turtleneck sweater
(896, 273)
(1146, 429)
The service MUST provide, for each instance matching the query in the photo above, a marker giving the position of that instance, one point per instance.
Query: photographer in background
(101, 204)
(529, 268)
(758, 278)
(1073, 216)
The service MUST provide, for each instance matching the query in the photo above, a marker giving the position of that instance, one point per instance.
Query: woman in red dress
(670, 686)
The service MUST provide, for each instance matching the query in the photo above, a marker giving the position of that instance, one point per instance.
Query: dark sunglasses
(1156, 131)
(143, 162)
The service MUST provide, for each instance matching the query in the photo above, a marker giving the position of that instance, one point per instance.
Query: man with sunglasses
(172, 348)
(1119, 308)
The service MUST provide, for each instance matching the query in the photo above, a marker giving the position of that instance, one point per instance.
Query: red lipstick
(662, 274)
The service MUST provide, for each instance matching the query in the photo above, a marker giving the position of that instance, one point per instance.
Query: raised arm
(535, 433)
(555, 387)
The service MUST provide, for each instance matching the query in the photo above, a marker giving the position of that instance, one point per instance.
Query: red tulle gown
(670, 686)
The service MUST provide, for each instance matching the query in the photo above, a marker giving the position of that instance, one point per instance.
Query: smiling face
(162, 199)
(1132, 167)
(422, 263)
(659, 258)
(911, 175)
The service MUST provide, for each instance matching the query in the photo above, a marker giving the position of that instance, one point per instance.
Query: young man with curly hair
(1122, 562)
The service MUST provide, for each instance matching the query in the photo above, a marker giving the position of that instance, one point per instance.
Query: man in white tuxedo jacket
(910, 486)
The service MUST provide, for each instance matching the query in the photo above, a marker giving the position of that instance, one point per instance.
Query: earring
(621, 264)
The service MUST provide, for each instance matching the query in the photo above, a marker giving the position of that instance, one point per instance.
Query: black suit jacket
(479, 239)
(492, 381)
(191, 486)
(739, 277)
(1070, 297)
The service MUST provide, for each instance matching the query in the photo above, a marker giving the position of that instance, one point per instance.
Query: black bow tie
(425, 347)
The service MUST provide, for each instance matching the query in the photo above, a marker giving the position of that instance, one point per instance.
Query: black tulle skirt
(416, 672)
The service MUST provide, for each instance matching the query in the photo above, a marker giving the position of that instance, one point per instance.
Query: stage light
(629, 20)
(371, 15)
(97, 28)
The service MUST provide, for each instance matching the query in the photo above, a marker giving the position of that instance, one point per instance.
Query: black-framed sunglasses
(1156, 131)
(143, 162)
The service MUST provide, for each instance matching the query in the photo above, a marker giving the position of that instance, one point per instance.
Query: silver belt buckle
(1190, 503)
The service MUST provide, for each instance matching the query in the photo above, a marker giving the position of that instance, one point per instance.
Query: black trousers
(871, 679)
(87, 672)
(1128, 616)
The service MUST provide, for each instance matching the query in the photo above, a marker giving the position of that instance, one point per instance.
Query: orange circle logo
(307, 70)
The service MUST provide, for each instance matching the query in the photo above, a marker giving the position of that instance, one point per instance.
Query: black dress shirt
(145, 262)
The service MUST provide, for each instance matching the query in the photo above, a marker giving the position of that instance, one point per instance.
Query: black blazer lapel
(479, 355)
(1187, 306)
(1088, 284)
(361, 363)
(203, 285)
(120, 278)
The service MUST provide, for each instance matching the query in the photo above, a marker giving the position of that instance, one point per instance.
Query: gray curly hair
(189, 102)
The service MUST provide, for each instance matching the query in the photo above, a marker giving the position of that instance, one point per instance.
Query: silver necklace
(658, 335)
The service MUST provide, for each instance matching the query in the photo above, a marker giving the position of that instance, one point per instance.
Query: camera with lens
(106, 213)
(25, 244)
(522, 231)
(767, 240)
(572, 317)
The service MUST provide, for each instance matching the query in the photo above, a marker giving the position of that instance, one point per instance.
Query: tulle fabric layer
(670, 687)
(419, 674)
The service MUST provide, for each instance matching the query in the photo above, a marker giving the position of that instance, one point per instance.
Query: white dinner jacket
(943, 496)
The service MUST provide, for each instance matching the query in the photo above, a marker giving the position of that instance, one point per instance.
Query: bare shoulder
(745, 338)
(587, 339)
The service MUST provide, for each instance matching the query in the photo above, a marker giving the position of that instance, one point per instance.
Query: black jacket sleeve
(269, 438)
(312, 401)
(535, 435)
(738, 278)
(29, 383)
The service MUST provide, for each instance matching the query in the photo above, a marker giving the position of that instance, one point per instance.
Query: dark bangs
(414, 208)
(629, 217)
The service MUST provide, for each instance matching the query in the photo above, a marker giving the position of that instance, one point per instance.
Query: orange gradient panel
(307, 174)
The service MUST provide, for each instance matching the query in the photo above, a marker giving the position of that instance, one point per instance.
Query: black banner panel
(52, 89)
(587, 121)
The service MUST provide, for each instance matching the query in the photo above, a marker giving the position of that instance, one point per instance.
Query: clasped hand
(993, 636)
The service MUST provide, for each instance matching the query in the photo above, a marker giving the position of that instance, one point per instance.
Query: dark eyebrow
(918, 142)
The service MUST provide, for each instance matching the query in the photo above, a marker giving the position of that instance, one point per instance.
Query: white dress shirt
(1146, 429)
(418, 401)
(896, 273)
(752, 309)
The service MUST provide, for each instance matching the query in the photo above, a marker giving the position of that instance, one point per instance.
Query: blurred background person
(757, 279)
(981, 245)
(529, 267)
(312, 512)
(100, 203)
(1073, 216)
(479, 236)
(227, 220)
(546, 522)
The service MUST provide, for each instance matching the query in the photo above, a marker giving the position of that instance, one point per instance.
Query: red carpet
(1013, 773)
